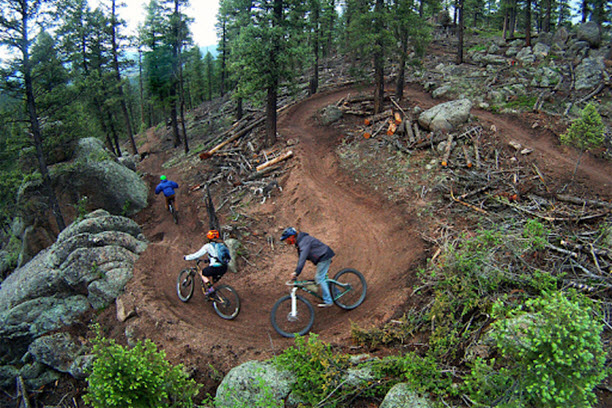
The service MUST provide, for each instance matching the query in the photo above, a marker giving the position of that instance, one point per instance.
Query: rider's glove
(185, 257)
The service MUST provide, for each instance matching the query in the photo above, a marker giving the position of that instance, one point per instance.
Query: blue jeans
(321, 279)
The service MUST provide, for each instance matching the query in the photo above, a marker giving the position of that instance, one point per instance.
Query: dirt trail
(365, 231)
(318, 198)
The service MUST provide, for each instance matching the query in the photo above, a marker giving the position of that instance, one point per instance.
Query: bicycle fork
(293, 313)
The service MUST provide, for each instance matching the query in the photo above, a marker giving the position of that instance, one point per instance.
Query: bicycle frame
(303, 285)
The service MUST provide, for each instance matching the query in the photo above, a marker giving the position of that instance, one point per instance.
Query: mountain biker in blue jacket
(313, 250)
(217, 267)
(167, 187)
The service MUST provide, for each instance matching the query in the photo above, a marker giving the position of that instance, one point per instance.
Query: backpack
(223, 253)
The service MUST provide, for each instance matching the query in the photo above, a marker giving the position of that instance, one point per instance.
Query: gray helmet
(287, 233)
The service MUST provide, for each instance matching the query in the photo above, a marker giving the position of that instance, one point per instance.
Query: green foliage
(522, 101)
(81, 207)
(139, 377)
(551, 351)
(587, 132)
(536, 234)
(317, 369)
(422, 373)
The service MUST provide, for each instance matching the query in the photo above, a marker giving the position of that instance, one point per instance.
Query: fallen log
(583, 202)
(278, 159)
(211, 152)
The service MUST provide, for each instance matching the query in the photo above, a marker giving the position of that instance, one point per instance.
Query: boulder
(246, 383)
(446, 116)
(106, 184)
(86, 269)
(589, 73)
(590, 33)
(401, 395)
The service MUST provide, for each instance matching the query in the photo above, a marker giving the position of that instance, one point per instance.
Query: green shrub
(586, 132)
(422, 373)
(318, 371)
(551, 352)
(139, 377)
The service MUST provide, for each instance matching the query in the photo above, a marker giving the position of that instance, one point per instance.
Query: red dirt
(368, 233)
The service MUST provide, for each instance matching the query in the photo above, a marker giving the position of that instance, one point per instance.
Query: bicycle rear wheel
(185, 284)
(226, 302)
(174, 213)
(288, 325)
(348, 288)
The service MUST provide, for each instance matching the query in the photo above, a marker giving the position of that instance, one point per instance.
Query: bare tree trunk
(401, 74)
(379, 64)
(124, 109)
(271, 116)
(528, 23)
(460, 34)
(35, 127)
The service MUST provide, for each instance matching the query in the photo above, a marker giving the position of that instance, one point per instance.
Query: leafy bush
(551, 352)
(139, 377)
(587, 132)
(422, 373)
(318, 370)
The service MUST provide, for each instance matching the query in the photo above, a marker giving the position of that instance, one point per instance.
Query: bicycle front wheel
(348, 288)
(226, 302)
(185, 284)
(288, 324)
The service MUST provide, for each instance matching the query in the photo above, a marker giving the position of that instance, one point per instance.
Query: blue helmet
(287, 233)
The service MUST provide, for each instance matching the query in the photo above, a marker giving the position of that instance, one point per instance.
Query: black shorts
(214, 272)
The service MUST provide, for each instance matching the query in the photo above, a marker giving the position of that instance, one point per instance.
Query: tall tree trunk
(271, 115)
(223, 59)
(399, 85)
(123, 104)
(314, 81)
(35, 127)
(547, 14)
(460, 34)
(174, 80)
(584, 10)
(239, 110)
(528, 23)
(379, 64)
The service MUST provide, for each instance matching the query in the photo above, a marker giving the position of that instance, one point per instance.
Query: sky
(204, 13)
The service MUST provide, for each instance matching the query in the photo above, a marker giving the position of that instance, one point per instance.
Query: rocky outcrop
(92, 180)
(250, 383)
(104, 181)
(85, 269)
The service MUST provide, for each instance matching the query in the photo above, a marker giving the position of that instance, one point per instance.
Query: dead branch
(274, 161)
(473, 207)
(583, 202)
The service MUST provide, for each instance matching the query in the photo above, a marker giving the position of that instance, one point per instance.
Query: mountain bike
(293, 314)
(224, 299)
(172, 210)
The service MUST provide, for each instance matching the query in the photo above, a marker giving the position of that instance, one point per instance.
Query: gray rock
(561, 36)
(589, 73)
(330, 114)
(590, 33)
(233, 245)
(245, 384)
(57, 350)
(86, 268)
(446, 116)
(402, 396)
(106, 183)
